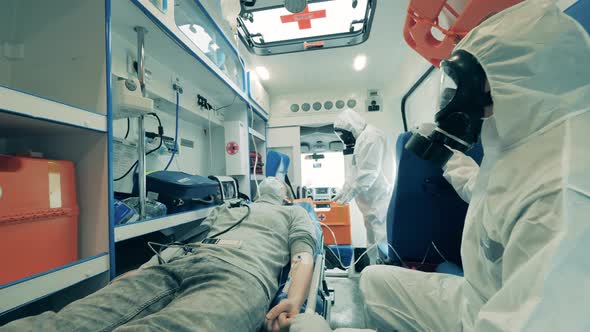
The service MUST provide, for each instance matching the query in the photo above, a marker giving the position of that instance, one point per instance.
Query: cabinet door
(236, 148)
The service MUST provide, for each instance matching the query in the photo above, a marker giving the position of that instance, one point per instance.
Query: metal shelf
(24, 291)
(129, 231)
(256, 134)
(31, 106)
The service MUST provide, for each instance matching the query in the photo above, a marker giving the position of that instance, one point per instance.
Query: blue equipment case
(180, 191)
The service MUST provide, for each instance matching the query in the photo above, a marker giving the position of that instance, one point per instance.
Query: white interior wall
(422, 104)
(218, 144)
(8, 36)
(59, 62)
(286, 140)
(5, 67)
(411, 67)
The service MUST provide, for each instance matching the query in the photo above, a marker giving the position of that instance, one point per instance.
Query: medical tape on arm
(297, 259)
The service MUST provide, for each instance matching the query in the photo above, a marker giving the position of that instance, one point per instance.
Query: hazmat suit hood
(531, 83)
(351, 121)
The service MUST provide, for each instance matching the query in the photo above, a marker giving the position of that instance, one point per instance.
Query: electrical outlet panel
(169, 143)
(203, 103)
(175, 81)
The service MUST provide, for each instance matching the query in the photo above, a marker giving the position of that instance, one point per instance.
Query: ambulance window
(271, 29)
(325, 172)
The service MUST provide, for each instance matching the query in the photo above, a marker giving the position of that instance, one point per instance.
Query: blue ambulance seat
(277, 164)
(425, 208)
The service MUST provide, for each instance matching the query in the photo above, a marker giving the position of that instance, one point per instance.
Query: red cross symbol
(304, 18)
(322, 217)
(232, 148)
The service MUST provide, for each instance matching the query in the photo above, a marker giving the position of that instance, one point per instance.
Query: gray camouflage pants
(193, 293)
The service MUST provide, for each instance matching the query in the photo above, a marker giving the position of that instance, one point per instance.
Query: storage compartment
(257, 92)
(201, 135)
(198, 150)
(337, 217)
(256, 163)
(38, 208)
(257, 143)
(236, 148)
(56, 50)
(192, 19)
(46, 234)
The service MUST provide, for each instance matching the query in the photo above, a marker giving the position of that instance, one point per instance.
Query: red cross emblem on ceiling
(304, 18)
(322, 217)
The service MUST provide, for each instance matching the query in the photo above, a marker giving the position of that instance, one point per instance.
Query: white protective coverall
(461, 172)
(367, 182)
(527, 229)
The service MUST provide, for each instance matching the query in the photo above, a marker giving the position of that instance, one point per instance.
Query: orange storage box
(38, 216)
(337, 217)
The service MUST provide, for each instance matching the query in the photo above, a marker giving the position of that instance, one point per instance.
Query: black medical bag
(180, 191)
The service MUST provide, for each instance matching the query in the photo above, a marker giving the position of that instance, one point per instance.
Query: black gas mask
(461, 104)
(347, 138)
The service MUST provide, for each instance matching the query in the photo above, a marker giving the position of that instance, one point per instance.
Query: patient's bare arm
(279, 318)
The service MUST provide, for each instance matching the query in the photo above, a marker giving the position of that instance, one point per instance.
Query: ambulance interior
(121, 95)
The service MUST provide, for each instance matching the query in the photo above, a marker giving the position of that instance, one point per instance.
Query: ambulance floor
(347, 310)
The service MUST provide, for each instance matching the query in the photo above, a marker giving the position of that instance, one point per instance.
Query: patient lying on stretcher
(226, 286)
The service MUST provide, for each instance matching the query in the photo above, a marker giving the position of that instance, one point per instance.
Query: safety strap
(288, 182)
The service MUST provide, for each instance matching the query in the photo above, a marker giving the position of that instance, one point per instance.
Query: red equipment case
(38, 216)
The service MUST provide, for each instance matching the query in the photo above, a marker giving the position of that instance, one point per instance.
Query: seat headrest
(277, 164)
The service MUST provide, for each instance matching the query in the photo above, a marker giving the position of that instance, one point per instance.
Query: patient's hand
(279, 318)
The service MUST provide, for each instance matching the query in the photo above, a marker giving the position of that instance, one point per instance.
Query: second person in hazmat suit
(367, 182)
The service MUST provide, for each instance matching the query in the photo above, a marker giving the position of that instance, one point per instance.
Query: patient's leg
(133, 296)
(215, 296)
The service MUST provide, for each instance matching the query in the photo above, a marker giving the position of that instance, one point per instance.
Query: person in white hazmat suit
(461, 172)
(367, 182)
(527, 231)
